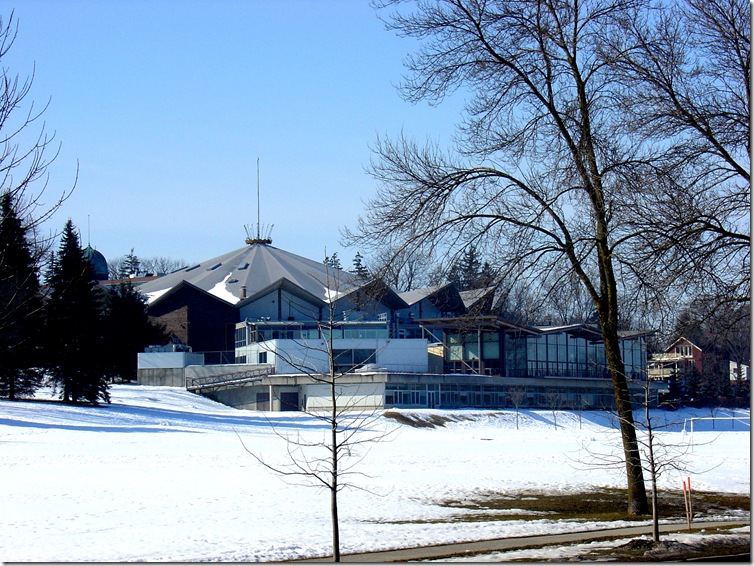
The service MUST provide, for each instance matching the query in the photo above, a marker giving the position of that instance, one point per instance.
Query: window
(241, 337)
(472, 347)
(455, 347)
(683, 350)
(348, 360)
(262, 359)
(490, 346)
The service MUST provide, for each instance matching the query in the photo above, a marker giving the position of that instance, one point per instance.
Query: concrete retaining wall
(173, 377)
(238, 397)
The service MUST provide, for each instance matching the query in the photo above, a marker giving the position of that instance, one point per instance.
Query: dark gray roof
(416, 295)
(259, 268)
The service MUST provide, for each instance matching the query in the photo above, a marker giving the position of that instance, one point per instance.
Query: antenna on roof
(262, 238)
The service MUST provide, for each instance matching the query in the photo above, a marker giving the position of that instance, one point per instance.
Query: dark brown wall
(199, 320)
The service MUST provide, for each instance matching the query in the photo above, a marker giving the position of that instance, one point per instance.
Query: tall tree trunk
(652, 466)
(608, 314)
(334, 482)
(637, 495)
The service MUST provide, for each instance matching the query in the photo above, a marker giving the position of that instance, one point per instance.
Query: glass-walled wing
(562, 354)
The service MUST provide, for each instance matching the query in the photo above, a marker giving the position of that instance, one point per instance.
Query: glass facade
(564, 355)
(249, 333)
(461, 395)
(554, 354)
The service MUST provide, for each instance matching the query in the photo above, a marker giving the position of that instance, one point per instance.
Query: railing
(233, 378)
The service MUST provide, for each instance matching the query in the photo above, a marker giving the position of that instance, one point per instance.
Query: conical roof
(239, 276)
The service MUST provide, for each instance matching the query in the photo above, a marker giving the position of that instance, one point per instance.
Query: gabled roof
(682, 339)
(414, 296)
(445, 297)
(472, 297)
(243, 274)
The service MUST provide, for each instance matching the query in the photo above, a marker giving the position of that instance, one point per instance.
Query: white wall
(409, 355)
(168, 359)
(404, 355)
(355, 396)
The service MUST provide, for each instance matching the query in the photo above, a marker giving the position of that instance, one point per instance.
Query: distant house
(273, 316)
(739, 371)
(678, 360)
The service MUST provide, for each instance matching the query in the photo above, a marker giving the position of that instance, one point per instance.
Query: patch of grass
(604, 504)
(414, 422)
(646, 550)
(425, 421)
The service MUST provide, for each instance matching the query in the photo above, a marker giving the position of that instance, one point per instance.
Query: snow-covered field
(161, 475)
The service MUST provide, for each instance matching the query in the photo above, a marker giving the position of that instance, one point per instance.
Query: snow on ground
(561, 553)
(162, 475)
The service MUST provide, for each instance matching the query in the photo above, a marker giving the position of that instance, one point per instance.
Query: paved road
(513, 543)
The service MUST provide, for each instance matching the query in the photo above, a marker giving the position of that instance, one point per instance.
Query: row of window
(550, 354)
(246, 335)
(495, 396)
(345, 360)
(261, 358)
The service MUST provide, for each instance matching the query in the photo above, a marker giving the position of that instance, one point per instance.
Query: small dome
(100, 272)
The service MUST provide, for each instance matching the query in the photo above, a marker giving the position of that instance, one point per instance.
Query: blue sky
(166, 106)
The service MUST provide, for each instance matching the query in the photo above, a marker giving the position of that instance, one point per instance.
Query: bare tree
(567, 301)
(24, 160)
(517, 396)
(555, 401)
(687, 71)
(538, 176)
(330, 461)
(161, 265)
(404, 270)
(123, 266)
(660, 455)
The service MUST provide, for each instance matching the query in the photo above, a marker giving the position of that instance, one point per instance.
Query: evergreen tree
(741, 389)
(127, 331)
(333, 261)
(486, 275)
(466, 272)
(131, 266)
(692, 386)
(359, 269)
(74, 325)
(20, 307)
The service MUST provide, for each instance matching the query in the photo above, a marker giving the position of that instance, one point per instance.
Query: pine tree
(359, 269)
(333, 261)
(466, 271)
(74, 325)
(486, 275)
(20, 307)
(127, 331)
(131, 266)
